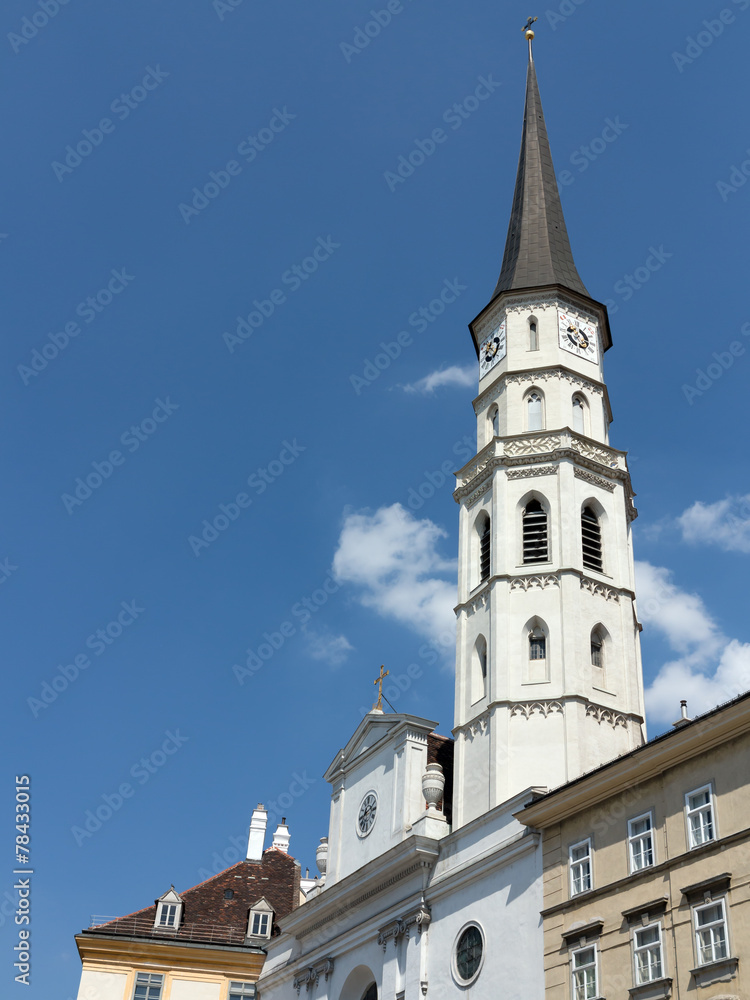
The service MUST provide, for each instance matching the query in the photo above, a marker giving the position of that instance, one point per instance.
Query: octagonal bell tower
(548, 669)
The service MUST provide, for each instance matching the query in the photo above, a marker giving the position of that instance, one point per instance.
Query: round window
(469, 953)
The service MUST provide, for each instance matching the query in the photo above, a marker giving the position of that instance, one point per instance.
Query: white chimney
(282, 837)
(684, 718)
(257, 834)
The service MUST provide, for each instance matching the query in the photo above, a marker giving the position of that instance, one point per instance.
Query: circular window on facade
(468, 954)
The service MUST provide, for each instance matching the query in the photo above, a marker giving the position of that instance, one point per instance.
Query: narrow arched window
(495, 421)
(484, 549)
(591, 536)
(597, 649)
(533, 336)
(537, 644)
(535, 546)
(579, 415)
(534, 405)
(479, 670)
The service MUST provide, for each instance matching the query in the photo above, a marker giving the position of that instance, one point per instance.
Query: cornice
(412, 855)
(651, 760)
(119, 949)
(546, 706)
(540, 581)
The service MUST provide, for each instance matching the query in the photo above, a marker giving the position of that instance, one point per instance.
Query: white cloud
(709, 668)
(454, 376)
(725, 523)
(393, 558)
(332, 649)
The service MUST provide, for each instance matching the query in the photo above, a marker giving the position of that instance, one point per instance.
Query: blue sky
(246, 653)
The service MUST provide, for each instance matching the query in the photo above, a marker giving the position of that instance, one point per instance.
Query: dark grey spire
(537, 249)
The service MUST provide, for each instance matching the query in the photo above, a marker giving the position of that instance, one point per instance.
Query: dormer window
(168, 911)
(260, 920)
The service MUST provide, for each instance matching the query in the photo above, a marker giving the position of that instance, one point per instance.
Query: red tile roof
(209, 916)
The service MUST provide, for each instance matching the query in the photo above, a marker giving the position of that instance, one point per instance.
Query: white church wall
(186, 989)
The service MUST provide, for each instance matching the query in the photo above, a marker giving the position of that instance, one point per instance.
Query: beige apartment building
(647, 868)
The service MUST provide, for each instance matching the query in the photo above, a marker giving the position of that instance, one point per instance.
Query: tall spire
(537, 249)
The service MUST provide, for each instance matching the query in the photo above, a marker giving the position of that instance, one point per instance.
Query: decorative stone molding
(311, 975)
(608, 715)
(537, 582)
(592, 451)
(480, 600)
(376, 890)
(477, 727)
(589, 477)
(599, 589)
(400, 927)
(478, 493)
(535, 470)
(544, 375)
(529, 708)
(536, 444)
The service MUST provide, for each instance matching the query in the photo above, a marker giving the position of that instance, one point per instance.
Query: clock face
(579, 337)
(367, 813)
(492, 350)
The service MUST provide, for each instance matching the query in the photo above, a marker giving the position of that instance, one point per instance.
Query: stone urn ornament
(321, 856)
(433, 786)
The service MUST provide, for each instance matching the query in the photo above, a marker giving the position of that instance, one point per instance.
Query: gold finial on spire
(529, 33)
(379, 681)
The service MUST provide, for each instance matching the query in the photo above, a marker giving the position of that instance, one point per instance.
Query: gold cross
(379, 681)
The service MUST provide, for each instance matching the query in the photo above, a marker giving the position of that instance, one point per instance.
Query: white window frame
(698, 929)
(638, 949)
(708, 807)
(239, 990)
(573, 865)
(634, 838)
(584, 994)
(167, 920)
(149, 979)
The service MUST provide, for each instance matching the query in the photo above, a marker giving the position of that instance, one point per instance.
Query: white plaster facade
(392, 908)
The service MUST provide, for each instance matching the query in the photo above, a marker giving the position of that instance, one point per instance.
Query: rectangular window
(699, 808)
(648, 957)
(241, 991)
(580, 868)
(148, 986)
(168, 915)
(259, 925)
(641, 842)
(584, 974)
(711, 932)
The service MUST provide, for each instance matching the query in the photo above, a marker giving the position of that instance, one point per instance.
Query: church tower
(548, 670)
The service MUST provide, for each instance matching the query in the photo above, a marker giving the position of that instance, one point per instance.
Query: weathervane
(379, 681)
(528, 31)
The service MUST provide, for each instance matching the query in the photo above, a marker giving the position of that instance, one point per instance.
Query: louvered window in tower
(592, 540)
(484, 549)
(535, 548)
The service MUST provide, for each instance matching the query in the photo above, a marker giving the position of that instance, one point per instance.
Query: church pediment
(374, 731)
